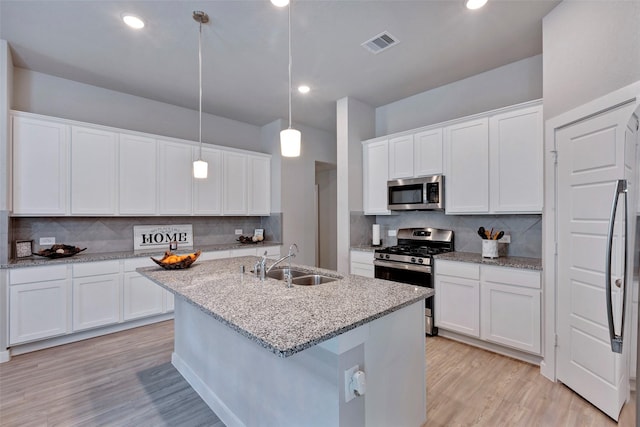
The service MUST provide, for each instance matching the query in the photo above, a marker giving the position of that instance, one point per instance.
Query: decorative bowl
(183, 261)
(59, 251)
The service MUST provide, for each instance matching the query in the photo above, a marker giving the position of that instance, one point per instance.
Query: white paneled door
(593, 154)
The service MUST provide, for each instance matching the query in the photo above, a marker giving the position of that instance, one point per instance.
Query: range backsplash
(115, 234)
(525, 230)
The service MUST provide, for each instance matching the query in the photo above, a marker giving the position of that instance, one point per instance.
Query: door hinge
(555, 340)
(554, 153)
(555, 248)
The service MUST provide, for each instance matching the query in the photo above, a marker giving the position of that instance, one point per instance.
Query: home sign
(162, 236)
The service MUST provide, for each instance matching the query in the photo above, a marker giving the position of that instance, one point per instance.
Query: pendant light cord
(290, 86)
(200, 86)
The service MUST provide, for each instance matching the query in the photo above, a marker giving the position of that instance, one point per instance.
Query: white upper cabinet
(375, 158)
(94, 166)
(175, 175)
(467, 167)
(207, 192)
(259, 185)
(515, 160)
(138, 174)
(40, 167)
(401, 157)
(234, 169)
(427, 152)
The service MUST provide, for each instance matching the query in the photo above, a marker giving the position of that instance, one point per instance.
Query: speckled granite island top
(514, 262)
(284, 320)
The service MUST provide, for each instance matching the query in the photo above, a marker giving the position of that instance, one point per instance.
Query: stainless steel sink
(312, 279)
(281, 273)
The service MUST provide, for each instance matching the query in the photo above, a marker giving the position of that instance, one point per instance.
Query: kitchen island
(259, 353)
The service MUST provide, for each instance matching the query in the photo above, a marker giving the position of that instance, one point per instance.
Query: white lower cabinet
(362, 263)
(96, 294)
(141, 296)
(457, 298)
(39, 303)
(496, 304)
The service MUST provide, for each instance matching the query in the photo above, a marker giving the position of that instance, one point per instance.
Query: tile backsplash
(115, 234)
(525, 230)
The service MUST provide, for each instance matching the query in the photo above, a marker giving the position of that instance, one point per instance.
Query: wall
(590, 48)
(510, 84)
(53, 96)
(355, 123)
(298, 176)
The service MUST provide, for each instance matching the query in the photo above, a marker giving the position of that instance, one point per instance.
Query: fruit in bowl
(171, 261)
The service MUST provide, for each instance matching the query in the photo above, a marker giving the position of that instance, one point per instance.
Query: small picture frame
(24, 248)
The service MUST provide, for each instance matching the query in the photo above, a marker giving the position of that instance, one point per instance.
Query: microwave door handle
(616, 340)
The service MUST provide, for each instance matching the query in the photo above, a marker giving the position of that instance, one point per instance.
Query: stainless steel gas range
(411, 261)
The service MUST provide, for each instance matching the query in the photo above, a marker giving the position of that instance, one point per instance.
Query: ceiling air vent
(382, 41)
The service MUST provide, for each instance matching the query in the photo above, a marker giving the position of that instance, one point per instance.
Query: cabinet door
(401, 157)
(38, 310)
(511, 316)
(96, 301)
(142, 297)
(427, 152)
(93, 171)
(516, 149)
(40, 167)
(362, 263)
(467, 167)
(375, 158)
(259, 188)
(457, 305)
(138, 175)
(169, 303)
(234, 183)
(175, 172)
(207, 192)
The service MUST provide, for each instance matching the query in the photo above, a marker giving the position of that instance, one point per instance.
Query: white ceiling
(245, 49)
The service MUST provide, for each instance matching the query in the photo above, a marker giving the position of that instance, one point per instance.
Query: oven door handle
(402, 266)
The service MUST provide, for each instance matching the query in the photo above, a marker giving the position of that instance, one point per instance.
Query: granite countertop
(507, 261)
(106, 256)
(280, 319)
(366, 248)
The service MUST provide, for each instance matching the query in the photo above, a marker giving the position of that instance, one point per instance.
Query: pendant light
(200, 166)
(290, 138)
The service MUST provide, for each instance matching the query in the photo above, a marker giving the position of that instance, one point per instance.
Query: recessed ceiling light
(132, 21)
(280, 3)
(474, 4)
(304, 89)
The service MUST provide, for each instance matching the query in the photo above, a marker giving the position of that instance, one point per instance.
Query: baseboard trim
(5, 356)
(222, 411)
(495, 348)
(83, 335)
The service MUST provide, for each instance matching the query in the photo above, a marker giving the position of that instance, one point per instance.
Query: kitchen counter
(284, 320)
(515, 262)
(259, 353)
(366, 248)
(36, 260)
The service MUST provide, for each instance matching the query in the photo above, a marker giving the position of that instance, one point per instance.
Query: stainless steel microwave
(424, 193)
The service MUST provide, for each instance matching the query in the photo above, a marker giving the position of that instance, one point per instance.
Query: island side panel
(245, 384)
(395, 364)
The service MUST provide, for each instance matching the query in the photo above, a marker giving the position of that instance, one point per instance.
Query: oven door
(413, 274)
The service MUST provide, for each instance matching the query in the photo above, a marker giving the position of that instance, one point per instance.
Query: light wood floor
(126, 379)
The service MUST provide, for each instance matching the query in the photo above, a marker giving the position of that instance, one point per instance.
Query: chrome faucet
(261, 266)
(288, 256)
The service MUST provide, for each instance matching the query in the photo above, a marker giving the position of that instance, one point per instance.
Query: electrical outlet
(238, 231)
(47, 241)
(348, 392)
(505, 239)
(392, 233)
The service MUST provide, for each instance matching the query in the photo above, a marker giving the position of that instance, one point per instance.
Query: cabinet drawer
(133, 263)
(37, 274)
(96, 268)
(363, 257)
(511, 276)
(466, 270)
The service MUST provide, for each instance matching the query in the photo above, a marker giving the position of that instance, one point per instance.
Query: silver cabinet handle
(616, 340)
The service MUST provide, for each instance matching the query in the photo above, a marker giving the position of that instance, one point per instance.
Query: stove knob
(387, 256)
(420, 260)
(413, 259)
